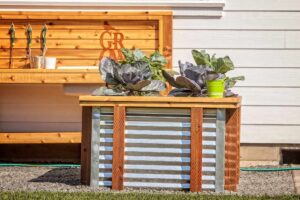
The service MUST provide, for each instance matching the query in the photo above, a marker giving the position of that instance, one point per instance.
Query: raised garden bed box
(185, 143)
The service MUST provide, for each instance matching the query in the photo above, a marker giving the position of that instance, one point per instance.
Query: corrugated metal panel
(106, 145)
(152, 132)
(209, 148)
(157, 148)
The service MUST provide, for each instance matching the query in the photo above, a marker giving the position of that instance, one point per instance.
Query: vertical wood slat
(196, 149)
(239, 144)
(118, 148)
(168, 45)
(231, 149)
(167, 39)
(86, 145)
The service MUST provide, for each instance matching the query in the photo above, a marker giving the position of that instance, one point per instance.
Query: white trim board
(180, 8)
(263, 5)
(134, 3)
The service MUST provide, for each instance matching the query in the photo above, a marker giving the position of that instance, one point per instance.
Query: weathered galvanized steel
(157, 148)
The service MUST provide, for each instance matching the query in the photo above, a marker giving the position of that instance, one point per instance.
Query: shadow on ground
(68, 176)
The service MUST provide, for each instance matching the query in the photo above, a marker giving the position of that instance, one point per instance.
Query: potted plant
(136, 141)
(136, 75)
(207, 78)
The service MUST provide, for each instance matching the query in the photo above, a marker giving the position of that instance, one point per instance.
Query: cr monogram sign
(111, 42)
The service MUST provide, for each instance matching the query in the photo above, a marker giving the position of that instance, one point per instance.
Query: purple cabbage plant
(127, 79)
(192, 79)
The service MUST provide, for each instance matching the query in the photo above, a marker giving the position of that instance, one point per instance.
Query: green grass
(129, 196)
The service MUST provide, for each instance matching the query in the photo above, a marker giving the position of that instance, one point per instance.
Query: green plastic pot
(215, 88)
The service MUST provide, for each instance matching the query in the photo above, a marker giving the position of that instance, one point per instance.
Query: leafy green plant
(128, 78)
(218, 65)
(156, 61)
(193, 78)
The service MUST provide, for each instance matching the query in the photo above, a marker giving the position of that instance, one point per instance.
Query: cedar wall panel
(77, 42)
(262, 38)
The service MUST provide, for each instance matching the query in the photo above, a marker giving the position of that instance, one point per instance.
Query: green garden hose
(37, 165)
(253, 169)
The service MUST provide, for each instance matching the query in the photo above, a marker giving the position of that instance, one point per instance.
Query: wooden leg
(196, 149)
(232, 149)
(86, 145)
(239, 144)
(118, 148)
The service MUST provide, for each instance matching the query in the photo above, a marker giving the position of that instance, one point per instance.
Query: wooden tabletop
(160, 101)
(44, 76)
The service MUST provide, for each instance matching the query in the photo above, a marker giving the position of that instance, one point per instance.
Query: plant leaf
(229, 93)
(138, 55)
(155, 85)
(180, 92)
(223, 65)
(138, 86)
(187, 83)
(230, 82)
(213, 60)
(201, 57)
(184, 66)
(117, 76)
(157, 57)
(128, 55)
(197, 74)
(104, 91)
(144, 69)
(150, 93)
(170, 79)
(106, 69)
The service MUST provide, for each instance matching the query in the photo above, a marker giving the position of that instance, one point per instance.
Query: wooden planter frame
(227, 123)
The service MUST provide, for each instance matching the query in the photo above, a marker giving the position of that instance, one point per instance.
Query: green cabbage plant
(192, 79)
(127, 78)
(156, 61)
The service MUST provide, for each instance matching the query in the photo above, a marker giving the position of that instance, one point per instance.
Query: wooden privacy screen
(83, 38)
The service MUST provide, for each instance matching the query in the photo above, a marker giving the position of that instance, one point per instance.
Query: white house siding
(38, 108)
(261, 36)
(263, 40)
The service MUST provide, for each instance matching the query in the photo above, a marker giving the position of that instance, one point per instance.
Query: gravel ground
(269, 183)
(68, 180)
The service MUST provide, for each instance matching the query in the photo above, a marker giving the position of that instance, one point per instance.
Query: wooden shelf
(164, 101)
(46, 76)
(41, 138)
